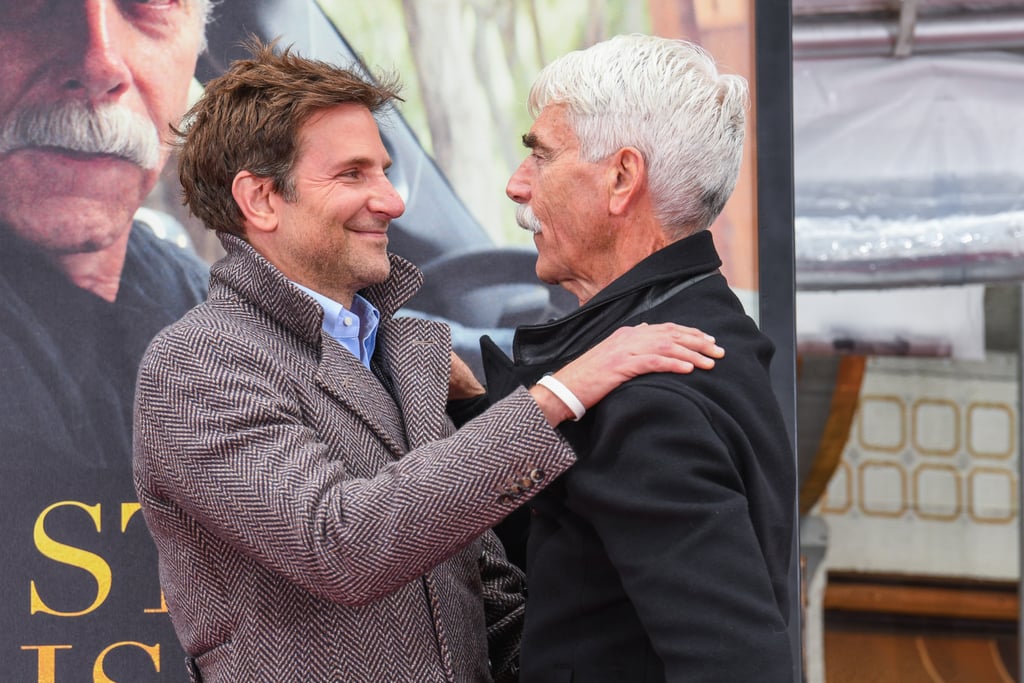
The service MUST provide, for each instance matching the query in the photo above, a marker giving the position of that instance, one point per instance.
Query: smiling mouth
(379, 228)
(373, 235)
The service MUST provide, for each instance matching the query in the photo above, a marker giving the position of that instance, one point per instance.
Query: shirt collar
(355, 329)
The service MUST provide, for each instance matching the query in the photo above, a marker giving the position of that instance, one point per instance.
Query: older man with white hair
(664, 554)
(88, 91)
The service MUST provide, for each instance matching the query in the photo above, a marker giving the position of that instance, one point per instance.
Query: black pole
(1020, 484)
(773, 64)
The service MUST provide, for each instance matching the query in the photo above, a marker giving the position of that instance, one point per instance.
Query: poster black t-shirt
(80, 589)
(68, 358)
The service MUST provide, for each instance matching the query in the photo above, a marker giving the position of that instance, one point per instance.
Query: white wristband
(549, 382)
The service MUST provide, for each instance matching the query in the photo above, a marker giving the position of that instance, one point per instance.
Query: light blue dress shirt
(354, 329)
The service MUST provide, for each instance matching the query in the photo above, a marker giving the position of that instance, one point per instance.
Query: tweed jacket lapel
(342, 376)
(406, 345)
(409, 348)
(406, 349)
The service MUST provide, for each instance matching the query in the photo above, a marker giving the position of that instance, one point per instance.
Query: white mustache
(527, 220)
(71, 125)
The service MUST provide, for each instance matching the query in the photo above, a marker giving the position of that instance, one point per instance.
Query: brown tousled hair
(249, 119)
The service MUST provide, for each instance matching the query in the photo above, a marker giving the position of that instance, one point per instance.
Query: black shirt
(68, 358)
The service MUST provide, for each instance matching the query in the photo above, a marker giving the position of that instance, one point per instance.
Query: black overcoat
(664, 554)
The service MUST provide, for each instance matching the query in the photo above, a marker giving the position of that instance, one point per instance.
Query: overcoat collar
(639, 287)
(406, 347)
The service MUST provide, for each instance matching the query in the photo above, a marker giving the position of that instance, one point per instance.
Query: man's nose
(97, 69)
(518, 188)
(386, 200)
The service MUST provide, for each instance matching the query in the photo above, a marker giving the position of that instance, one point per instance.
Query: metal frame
(773, 62)
(1020, 482)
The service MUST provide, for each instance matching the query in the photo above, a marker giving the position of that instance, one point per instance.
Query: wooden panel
(903, 629)
(845, 394)
(924, 601)
(871, 657)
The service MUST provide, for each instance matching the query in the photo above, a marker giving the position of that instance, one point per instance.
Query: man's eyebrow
(531, 141)
(349, 162)
(360, 162)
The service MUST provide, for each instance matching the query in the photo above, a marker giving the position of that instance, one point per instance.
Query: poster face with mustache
(87, 90)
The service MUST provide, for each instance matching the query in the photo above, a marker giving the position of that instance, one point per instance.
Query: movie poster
(98, 255)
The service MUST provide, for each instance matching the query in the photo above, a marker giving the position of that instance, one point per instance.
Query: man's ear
(253, 196)
(628, 179)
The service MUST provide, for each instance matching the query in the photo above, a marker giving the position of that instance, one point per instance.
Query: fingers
(638, 350)
(674, 341)
(698, 348)
(695, 347)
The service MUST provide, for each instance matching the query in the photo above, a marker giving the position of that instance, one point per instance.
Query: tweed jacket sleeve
(230, 434)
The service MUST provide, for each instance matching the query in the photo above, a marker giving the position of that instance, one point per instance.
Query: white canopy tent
(909, 170)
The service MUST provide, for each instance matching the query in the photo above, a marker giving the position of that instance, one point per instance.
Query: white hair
(206, 8)
(70, 124)
(205, 16)
(667, 99)
(527, 219)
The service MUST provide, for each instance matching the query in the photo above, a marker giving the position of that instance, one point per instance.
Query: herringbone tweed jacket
(311, 527)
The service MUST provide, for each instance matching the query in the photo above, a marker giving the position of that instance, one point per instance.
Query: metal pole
(773, 62)
(1020, 485)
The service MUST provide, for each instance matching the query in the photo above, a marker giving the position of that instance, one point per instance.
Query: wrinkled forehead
(555, 122)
